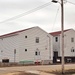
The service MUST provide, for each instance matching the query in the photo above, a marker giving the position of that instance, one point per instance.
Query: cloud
(21, 4)
(69, 15)
(43, 18)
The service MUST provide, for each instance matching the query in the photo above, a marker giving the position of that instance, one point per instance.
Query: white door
(37, 56)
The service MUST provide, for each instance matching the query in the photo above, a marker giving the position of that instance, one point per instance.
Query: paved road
(35, 68)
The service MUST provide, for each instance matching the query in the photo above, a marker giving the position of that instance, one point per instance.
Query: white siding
(30, 44)
(20, 43)
(68, 44)
(56, 45)
(7, 46)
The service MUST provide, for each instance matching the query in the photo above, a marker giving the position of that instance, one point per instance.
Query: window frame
(25, 50)
(72, 39)
(25, 36)
(72, 50)
(37, 40)
(36, 53)
(56, 39)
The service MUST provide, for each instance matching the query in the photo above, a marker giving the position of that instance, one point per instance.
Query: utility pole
(62, 34)
(62, 31)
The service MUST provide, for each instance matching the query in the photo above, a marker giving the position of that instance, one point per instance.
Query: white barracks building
(27, 46)
(69, 46)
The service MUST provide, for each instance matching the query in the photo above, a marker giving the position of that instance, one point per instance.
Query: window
(56, 39)
(37, 39)
(25, 36)
(39, 53)
(72, 39)
(14, 51)
(72, 50)
(25, 50)
(36, 53)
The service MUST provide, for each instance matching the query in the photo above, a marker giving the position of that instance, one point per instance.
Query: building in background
(69, 46)
(27, 46)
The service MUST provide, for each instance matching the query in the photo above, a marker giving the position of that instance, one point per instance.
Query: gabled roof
(58, 32)
(13, 33)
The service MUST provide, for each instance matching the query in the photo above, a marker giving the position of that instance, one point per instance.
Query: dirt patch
(67, 72)
(59, 72)
(19, 73)
(23, 73)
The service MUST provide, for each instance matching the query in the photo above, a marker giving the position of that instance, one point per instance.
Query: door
(55, 53)
(37, 56)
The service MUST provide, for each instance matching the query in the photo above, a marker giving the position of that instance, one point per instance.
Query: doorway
(55, 53)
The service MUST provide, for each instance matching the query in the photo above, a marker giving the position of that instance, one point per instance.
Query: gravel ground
(19, 73)
(42, 70)
(24, 73)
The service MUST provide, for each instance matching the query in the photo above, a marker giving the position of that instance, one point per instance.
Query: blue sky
(44, 18)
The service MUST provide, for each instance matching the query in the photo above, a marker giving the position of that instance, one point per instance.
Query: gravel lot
(38, 69)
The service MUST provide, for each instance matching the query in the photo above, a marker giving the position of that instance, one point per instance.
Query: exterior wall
(30, 44)
(68, 45)
(7, 46)
(20, 43)
(56, 45)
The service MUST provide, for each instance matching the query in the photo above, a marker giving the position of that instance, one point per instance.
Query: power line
(28, 12)
(55, 17)
(71, 2)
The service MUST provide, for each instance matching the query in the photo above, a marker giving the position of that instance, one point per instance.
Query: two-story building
(27, 46)
(69, 46)
(33, 45)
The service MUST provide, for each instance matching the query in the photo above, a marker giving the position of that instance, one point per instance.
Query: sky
(47, 18)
